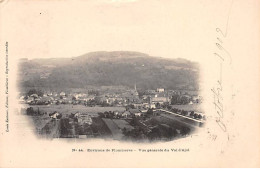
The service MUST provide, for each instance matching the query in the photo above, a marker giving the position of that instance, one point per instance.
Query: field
(51, 129)
(68, 109)
(40, 121)
(44, 125)
(99, 126)
(122, 124)
(116, 132)
(179, 120)
(171, 121)
(193, 107)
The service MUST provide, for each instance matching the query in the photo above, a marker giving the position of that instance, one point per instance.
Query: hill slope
(109, 69)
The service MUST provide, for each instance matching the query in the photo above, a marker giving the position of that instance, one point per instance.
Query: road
(200, 121)
(190, 122)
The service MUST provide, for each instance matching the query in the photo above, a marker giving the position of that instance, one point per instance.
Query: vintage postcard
(130, 83)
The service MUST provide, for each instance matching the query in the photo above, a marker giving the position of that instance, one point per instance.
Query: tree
(157, 105)
(131, 106)
(134, 121)
(116, 102)
(104, 104)
(170, 133)
(93, 92)
(59, 116)
(184, 131)
(141, 93)
(101, 115)
(175, 99)
(124, 131)
(174, 110)
(34, 91)
(98, 100)
(150, 112)
(106, 114)
(183, 112)
(192, 113)
(165, 105)
(30, 111)
(184, 100)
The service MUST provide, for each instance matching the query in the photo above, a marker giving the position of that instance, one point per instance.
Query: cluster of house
(130, 113)
(80, 117)
(134, 112)
(55, 115)
(148, 99)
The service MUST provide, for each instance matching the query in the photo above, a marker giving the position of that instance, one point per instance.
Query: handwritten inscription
(223, 56)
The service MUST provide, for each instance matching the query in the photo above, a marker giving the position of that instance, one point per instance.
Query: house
(29, 100)
(196, 99)
(76, 115)
(135, 112)
(142, 110)
(55, 115)
(149, 105)
(116, 112)
(152, 105)
(34, 95)
(160, 90)
(62, 94)
(146, 97)
(84, 118)
(44, 100)
(82, 136)
(126, 114)
(138, 114)
(137, 105)
(21, 99)
(110, 100)
(145, 105)
(85, 98)
(159, 99)
(150, 91)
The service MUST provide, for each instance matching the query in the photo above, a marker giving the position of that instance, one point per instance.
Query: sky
(171, 29)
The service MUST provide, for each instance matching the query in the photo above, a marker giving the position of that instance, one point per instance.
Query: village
(144, 99)
(120, 115)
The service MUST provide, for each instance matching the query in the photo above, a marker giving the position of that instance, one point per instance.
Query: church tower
(136, 93)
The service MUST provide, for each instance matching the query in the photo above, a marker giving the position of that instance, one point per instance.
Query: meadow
(193, 107)
(69, 108)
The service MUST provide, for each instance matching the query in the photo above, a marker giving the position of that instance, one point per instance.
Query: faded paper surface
(222, 36)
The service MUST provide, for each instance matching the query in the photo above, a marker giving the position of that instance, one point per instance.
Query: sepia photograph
(129, 84)
(123, 95)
